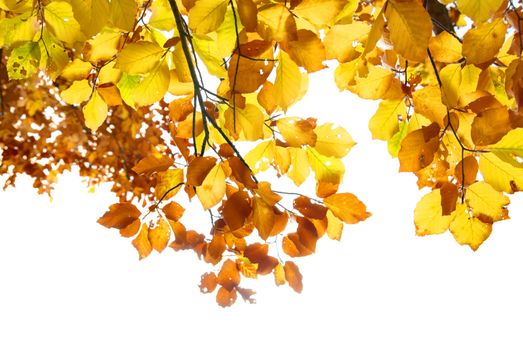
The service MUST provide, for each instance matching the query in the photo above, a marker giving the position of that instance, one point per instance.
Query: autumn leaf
(119, 215)
(347, 207)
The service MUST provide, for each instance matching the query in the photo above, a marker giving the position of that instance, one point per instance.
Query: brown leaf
(236, 210)
(242, 173)
(311, 210)
(449, 197)
(257, 253)
(467, 169)
(119, 215)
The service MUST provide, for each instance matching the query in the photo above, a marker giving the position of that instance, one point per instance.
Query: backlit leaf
(119, 215)
(139, 57)
(142, 243)
(410, 28)
(212, 189)
(207, 15)
(95, 111)
(293, 276)
(347, 207)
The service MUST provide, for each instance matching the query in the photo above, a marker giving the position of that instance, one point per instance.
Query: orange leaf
(225, 297)
(152, 163)
(467, 169)
(142, 243)
(418, 148)
(208, 282)
(198, 169)
(120, 215)
(131, 229)
(160, 235)
(293, 276)
(347, 207)
(229, 276)
(173, 211)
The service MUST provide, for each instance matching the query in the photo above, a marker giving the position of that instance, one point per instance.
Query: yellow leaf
(123, 14)
(246, 267)
(78, 92)
(428, 216)
(347, 207)
(212, 189)
(410, 28)
(207, 15)
(95, 111)
(385, 122)
(77, 70)
(168, 183)
(109, 74)
(209, 52)
(319, 12)
(278, 23)
(139, 57)
(502, 172)
(251, 120)
(510, 144)
(479, 10)
(334, 226)
(306, 51)
(484, 200)
(451, 79)
(59, 16)
(445, 48)
(468, 229)
(333, 141)
(92, 15)
(153, 87)
(297, 132)
(102, 47)
(279, 275)
(375, 33)
(159, 236)
(290, 83)
(379, 83)
(427, 101)
(142, 243)
(299, 167)
(482, 44)
(261, 156)
(328, 172)
(345, 33)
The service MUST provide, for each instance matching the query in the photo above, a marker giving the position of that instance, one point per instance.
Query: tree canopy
(183, 104)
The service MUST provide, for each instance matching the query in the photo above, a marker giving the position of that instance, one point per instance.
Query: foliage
(116, 89)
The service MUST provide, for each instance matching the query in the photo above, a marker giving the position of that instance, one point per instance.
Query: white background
(68, 283)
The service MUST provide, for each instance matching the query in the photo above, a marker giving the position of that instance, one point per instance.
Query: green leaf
(23, 61)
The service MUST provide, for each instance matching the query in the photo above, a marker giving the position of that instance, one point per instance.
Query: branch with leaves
(121, 91)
